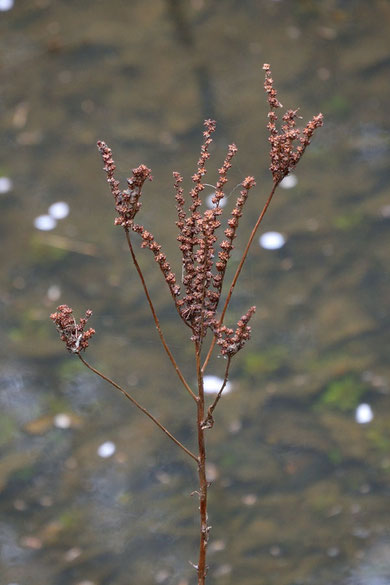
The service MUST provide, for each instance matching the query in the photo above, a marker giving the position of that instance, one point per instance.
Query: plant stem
(156, 320)
(141, 408)
(204, 528)
(239, 268)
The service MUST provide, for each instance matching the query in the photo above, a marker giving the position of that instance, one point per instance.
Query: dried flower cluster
(72, 333)
(284, 154)
(202, 275)
(231, 342)
(127, 205)
(126, 202)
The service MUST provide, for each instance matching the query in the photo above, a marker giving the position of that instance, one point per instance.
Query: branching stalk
(204, 270)
(156, 320)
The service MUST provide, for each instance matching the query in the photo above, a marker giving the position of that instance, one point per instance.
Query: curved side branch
(209, 420)
(156, 320)
(141, 408)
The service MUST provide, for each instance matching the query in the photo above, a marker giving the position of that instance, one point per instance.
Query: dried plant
(204, 263)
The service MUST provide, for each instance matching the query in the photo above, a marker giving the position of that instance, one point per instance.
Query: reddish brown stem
(239, 268)
(138, 405)
(204, 528)
(156, 320)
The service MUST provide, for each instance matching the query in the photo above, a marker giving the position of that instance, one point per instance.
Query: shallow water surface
(90, 492)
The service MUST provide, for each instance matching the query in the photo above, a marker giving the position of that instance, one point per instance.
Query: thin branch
(141, 408)
(156, 320)
(209, 420)
(237, 274)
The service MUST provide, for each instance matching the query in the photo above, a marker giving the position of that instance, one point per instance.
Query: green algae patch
(344, 394)
(266, 362)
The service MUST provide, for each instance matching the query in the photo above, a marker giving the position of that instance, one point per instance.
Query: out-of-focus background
(90, 492)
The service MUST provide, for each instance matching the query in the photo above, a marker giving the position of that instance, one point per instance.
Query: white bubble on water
(289, 182)
(59, 210)
(53, 292)
(6, 5)
(333, 552)
(62, 421)
(212, 385)
(45, 223)
(364, 414)
(384, 211)
(106, 449)
(6, 185)
(272, 240)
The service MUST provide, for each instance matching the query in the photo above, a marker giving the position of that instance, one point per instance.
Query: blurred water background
(90, 492)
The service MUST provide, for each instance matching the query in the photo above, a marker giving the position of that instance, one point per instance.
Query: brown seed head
(72, 333)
